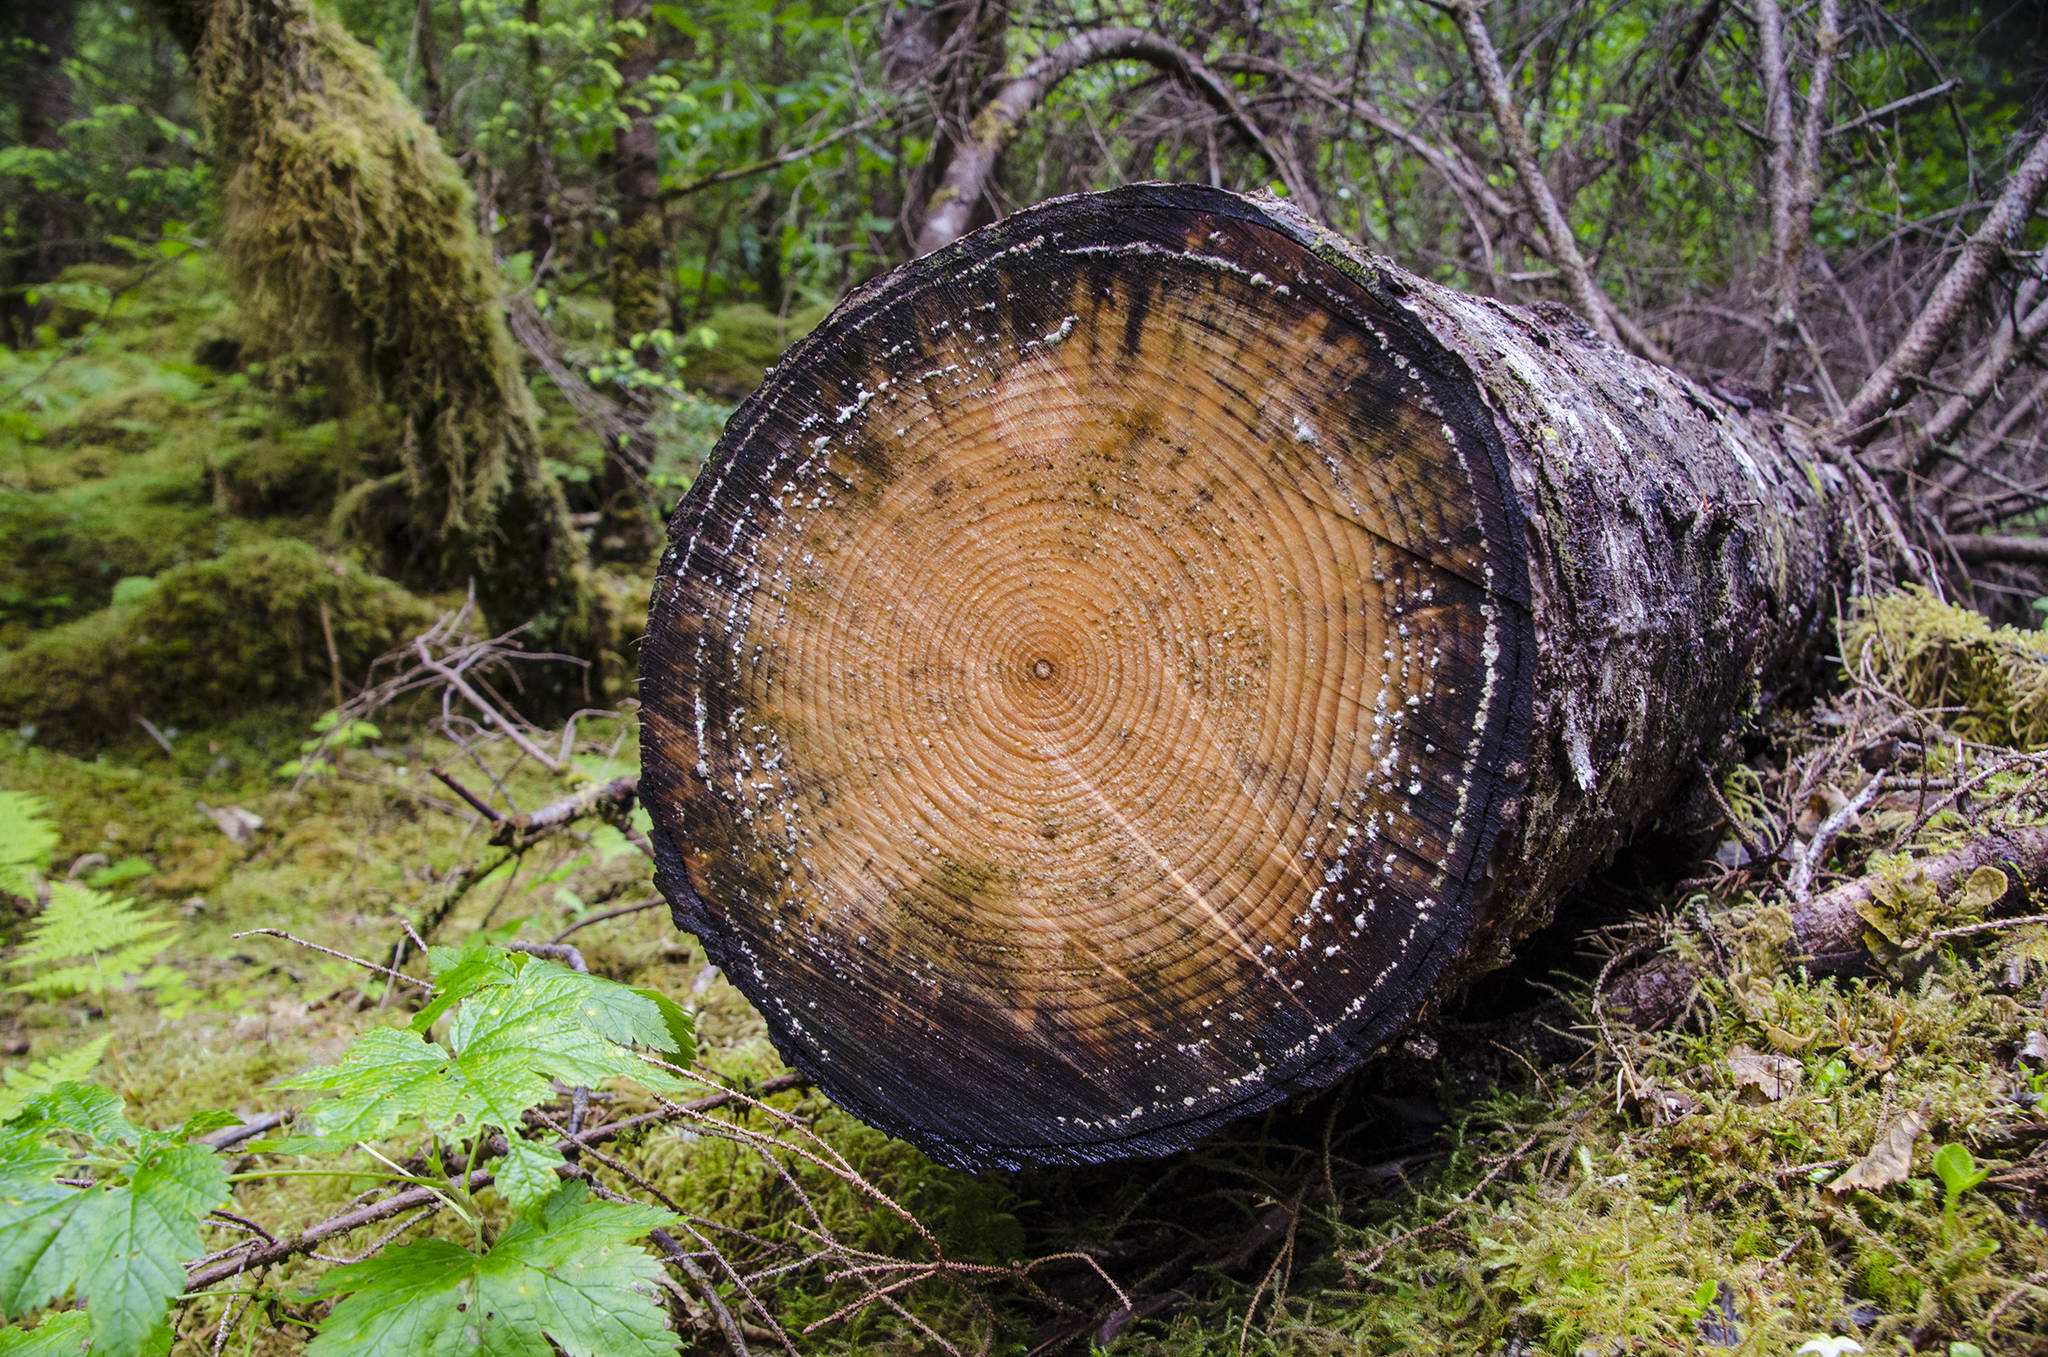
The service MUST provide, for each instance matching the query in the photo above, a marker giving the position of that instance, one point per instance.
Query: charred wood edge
(1453, 385)
(494, 1146)
(952, 204)
(1827, 930)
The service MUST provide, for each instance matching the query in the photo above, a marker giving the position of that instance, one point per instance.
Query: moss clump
(1935, 654)
(351, 235)
(744, 341)
(207, 641)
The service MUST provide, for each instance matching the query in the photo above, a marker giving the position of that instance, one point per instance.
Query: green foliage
(85, 940)
(518, 1023)
(570, 1276)
(1936, 654)
(210, 639)
(118, 1244)
(27, 838)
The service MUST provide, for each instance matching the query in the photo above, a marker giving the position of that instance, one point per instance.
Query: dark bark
(1124, 669)
(638, 284)
(35, 42)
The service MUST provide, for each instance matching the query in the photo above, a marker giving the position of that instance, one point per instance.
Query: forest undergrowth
(1777, 1157)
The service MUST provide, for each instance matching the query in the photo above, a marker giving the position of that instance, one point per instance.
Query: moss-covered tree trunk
(1126, 667)
(639, 281)
(352, 237)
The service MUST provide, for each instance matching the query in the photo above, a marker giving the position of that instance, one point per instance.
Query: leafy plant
(94, 1207)
(570, 1275)
(518, 1022)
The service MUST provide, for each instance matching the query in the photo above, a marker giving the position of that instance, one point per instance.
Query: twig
(552, 951)
(1871, 406)
(620, 912)
(1988, 926)
(333, 655)
(356, 960)
(1808, 856)
(605, 798)
(153, 733)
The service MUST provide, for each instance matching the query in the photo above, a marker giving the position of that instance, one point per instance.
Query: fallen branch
(400, 1202)
(1827, 930)
(1872, 406)
(609, 799)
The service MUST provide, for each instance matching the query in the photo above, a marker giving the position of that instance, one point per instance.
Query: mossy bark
(351, 235)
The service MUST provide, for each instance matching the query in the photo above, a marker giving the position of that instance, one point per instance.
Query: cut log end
(1085, 688)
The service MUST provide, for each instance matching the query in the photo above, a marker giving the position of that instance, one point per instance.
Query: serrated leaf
(119, 1246)
(60, 1335)
(573, 1275)
(506, 1045)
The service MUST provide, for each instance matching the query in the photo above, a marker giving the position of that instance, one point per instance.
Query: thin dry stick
(359, 961)
(1564, 246)
(1807, 857)
(333, 655)
(1872, 405)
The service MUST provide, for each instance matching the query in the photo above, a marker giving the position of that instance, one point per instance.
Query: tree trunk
(43, 241)
(352, 236)
(639, 282)
(1125, 668)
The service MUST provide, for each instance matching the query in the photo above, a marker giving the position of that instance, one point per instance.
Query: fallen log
(1129, 665)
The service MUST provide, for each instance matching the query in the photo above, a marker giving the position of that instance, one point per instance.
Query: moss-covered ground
(1531, 1174)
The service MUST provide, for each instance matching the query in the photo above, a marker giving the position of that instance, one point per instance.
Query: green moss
(209, 640)
(1935, 654)
(745, 340)
(352, 236)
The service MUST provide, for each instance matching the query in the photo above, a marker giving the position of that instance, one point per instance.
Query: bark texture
(1128, 666)
(35, 42)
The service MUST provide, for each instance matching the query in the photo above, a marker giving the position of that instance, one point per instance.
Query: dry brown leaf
(1890, 1160)
(1774, 1076)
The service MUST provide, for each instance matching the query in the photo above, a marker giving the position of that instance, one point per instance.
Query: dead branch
(397, 1203)
(1557, 232)
(1873, 405)
(952, 205)
(608, 799)
(1829, 927)
(2022, 550)
(2021, 330)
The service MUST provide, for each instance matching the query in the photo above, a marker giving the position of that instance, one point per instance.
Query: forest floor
(1789, 1158)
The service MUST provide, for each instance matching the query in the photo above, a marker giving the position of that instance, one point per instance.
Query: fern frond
(86, 940)
(27, 838)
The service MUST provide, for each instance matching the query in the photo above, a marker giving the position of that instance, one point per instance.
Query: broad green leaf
(59, 1335)
(522, 1024)
(573, 1275)
(120, 1246)
(1957, 1169)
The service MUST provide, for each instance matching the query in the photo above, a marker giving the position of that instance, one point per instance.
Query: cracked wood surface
(1126, 666)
